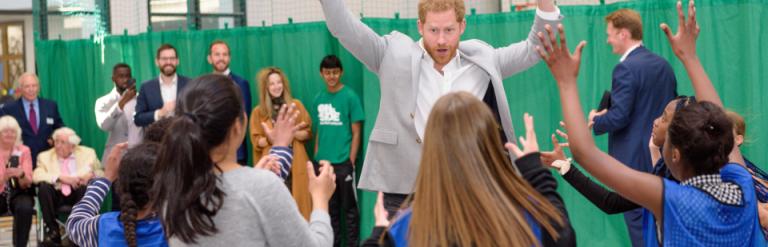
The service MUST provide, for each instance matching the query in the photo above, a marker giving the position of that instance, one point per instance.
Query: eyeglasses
(167, 58)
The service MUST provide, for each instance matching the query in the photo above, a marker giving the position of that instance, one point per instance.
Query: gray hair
(8, 122)
(73, 138)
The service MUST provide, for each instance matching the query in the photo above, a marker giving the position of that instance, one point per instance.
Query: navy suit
(245, 91)
(49, 120)
(150, 99)
(642, 86)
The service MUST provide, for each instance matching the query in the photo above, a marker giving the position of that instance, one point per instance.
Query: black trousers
(21, 204)
(51, 199)
(343, 201)
(392, 203)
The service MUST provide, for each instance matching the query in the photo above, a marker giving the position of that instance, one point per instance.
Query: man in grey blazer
(414, 74)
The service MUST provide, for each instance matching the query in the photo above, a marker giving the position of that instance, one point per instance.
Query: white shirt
(624, 57)
(167, 91)
(457, 76)
(107, 110)
(135, 133)
(111, 119)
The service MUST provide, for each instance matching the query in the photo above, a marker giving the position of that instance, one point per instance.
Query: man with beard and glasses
(414, 74)
(157, 97)
(219, 58)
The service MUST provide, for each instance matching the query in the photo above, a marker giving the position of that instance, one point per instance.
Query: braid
(128, 213)
(133, 183)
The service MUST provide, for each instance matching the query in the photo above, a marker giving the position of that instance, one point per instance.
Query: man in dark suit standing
(219, 58)
(642, 85)
(157, 97)
(37, 117)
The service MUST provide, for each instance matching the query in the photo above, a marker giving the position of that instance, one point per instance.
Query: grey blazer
(394, 149)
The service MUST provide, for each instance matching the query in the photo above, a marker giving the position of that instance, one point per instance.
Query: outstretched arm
(359, 39)
(684, 45)
(522, 55)
(642, 188)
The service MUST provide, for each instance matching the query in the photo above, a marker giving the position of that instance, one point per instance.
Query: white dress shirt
(167, 91)
(624, 57)
(457, 76)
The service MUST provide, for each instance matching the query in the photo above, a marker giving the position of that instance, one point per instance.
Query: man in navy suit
(219, 58)
(157, 97)
(37, 117)
(643, 83)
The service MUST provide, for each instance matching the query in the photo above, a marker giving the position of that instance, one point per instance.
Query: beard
(441, 58)
(168, 70)
(220, 66)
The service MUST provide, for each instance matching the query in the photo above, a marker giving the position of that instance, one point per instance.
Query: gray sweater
(258, 210)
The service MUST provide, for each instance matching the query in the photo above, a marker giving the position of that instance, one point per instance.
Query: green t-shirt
(333, 115)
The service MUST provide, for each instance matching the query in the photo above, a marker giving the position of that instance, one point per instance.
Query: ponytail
(185, 193)
(185, 183)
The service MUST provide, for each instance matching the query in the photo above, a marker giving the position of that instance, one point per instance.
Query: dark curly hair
(704, 135)
(134, 179)
(155, 131)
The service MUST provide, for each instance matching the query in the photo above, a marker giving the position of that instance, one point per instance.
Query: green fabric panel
(73, 74)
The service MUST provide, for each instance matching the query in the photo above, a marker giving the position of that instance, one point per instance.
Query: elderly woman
(16, 193)
(62, 174)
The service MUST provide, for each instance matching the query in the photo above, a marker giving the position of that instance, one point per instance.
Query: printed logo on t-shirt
(328, 115)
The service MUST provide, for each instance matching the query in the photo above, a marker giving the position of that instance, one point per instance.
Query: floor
(6, 232)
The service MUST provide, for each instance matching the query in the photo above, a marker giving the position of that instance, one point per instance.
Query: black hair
(155, 131)
(120, 65)
(134, 179)
(331, 62)
(185, 191)
(704, 135)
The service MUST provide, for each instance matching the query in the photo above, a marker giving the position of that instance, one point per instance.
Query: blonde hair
(8, 122)
(426, 6)
(73, 138)
(467, 192)
(627, 19)
(265, 100)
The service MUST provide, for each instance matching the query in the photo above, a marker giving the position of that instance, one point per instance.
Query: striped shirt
(284, 156)
(82, 224)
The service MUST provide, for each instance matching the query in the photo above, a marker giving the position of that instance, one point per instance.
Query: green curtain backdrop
(76, 73)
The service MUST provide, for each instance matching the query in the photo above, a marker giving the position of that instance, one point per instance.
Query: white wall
(132, 14)
(129, 15)
(278, 11)
(29, 40)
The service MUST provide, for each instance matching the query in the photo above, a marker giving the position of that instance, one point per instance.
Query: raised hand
(380, 215)
(321, 186)
(557, 153)
(529, 143)
(269, 163)
(684, 41)
(112, 164)
(285, 127)
(563, 65)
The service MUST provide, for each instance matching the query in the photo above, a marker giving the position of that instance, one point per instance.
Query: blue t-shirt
(399, 229)
(149, 232)
(693, 217)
